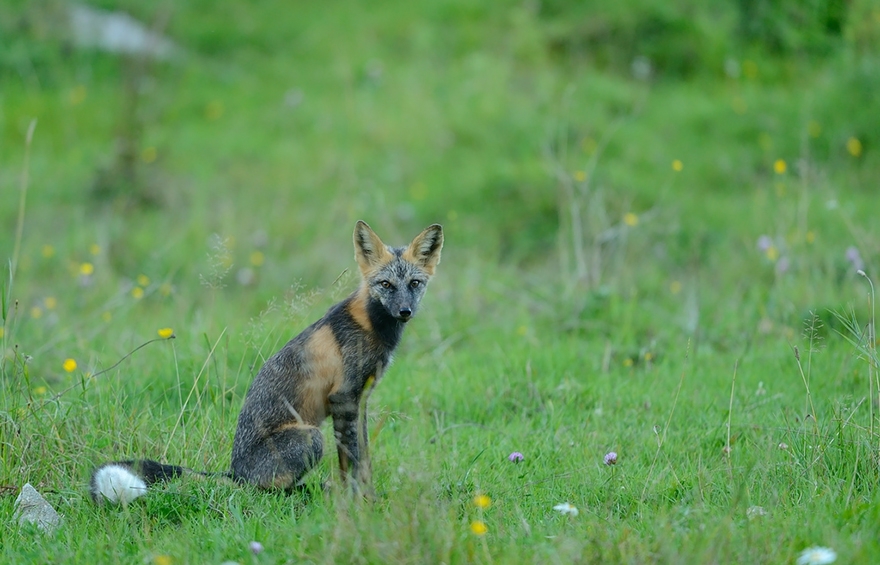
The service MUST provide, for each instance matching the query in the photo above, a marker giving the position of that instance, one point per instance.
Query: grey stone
(32, 508)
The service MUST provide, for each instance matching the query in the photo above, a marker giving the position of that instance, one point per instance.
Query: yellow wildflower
(86, 269)
(677, 165)
(77, 95)
(50, 302)
(165, 333)
(580, 176)
(143, 280)
(162, 560)
(479, 527)
(214, 110)
(95, 249)
(137, 293)
(257, 258)
(780, 166)
(630, 219)
(36, 312)
(854, 146)
(48, 251)
(69, 365)
(482, 501)
(149, 155)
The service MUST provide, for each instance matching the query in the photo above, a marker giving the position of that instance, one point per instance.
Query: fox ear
(369, 250)
(425, 248)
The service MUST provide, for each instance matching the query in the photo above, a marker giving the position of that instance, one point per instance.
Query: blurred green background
(713, 163)
(631, 192)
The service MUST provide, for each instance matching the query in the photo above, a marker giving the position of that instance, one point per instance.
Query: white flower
(817, 556)
(755, 512)
(566, 508)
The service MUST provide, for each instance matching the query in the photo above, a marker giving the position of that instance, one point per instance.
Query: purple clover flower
(611, 458)
(256, 547)
(515, 457)
(855, 259)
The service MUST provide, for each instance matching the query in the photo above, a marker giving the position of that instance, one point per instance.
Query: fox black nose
(405, 313)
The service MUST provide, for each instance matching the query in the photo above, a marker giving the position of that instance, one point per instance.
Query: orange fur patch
(322, 373)
(357, 308)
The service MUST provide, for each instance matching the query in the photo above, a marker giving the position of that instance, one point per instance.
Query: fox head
(396, 277)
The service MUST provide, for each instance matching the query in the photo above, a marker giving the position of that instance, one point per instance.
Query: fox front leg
(350, 439)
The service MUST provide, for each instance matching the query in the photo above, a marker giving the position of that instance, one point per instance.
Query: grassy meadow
(655, 214)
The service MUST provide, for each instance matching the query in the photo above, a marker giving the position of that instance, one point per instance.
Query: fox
(329, 369)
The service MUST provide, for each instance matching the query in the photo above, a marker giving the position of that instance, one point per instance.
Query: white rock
(32, 508)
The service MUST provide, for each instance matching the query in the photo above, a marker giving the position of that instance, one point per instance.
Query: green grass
(590, 298)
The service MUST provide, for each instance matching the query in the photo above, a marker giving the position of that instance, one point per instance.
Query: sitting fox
(328, 369)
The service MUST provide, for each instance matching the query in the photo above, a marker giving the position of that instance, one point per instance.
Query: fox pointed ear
(369, 250)
(425, 248)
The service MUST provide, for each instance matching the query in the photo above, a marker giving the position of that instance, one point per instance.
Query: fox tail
(120, 482)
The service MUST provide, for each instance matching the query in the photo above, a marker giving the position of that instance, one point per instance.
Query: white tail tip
(117, 483)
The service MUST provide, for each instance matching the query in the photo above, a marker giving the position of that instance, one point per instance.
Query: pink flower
(516, 457)
(611, 458)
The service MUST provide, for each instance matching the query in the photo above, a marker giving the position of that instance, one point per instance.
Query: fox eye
(414, 283)
(385, 284)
